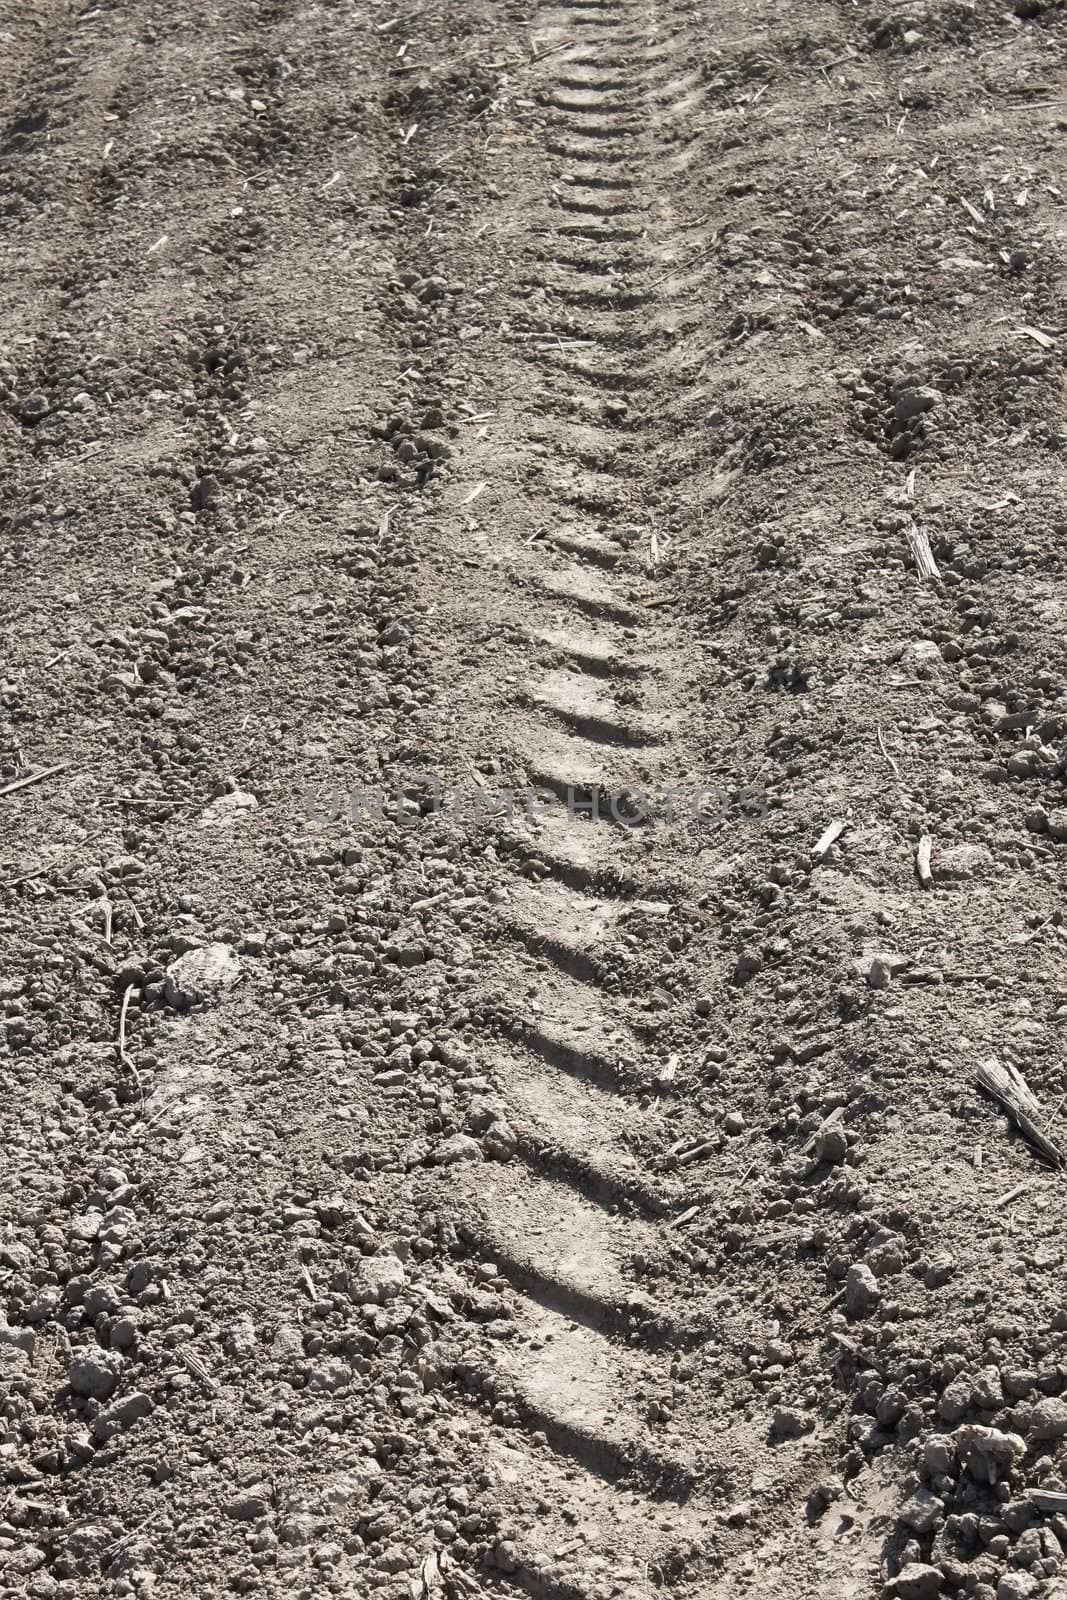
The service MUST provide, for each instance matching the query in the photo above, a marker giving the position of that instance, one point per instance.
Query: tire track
(593, 725)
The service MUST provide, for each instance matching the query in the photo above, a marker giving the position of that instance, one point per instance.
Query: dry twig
(885, 752)
(124, 1055)
(35, 777)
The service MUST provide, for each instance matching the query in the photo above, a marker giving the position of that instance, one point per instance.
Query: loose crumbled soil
(523, 526)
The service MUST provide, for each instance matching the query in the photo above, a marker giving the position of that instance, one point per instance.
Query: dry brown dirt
(486, 488)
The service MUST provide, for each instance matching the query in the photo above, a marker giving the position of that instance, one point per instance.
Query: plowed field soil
(533, 739)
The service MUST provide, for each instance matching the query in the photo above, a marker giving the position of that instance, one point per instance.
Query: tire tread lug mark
(600, 233)
(589, 491)
(597, 1511)
(580, 1389)
(563, 923)
(574, 149)
(564, 1022)
(594, 653)
(567, 125)
(589, 858)
(569, 1254)
(587, 192)
(613, 378)
(571, 697)
(590, 592)
(589, 546)
(572, 1128)
(591, 287)
(597, 263)
(590, 99)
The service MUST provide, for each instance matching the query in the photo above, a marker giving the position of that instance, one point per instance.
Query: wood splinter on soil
(923, 556)
(1010, 1089)
(827, 840)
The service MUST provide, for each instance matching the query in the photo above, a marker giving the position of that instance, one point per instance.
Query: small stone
(129, 867)
(825, 1493)
(987, 1391)
(940, 1270)
(131, 972)
(861, 1291)
(917, 1581)
(138, 1278)
(288, 1344)
(123, 1333)
(86, 1225)
(251, 1505)
(33, 407)
(240, 1338)
(329, 1377)
(201, 975)
(913, 402)
(885, 1259)
(225, 811)
(789, 1423)
(875, 973)
(430, 289)
(376, 1280)
(95, 1375)
(122, 1414)
(1057, 824)
(1048, 1419)
(988, 1453)
(126, 682)
(923, 1511)
(747, 964)
(962, 861)
(939, 1455)
(460, 1147)
(891, 1407)
(505, 1556)
(1018, 1515)
(21, 1562)
(1018, 1586)
(831, 1145)
(205, 492)
(955, 1399)
(17, 1340)
(500, 1141)
(733, 1122)
(84, 1548)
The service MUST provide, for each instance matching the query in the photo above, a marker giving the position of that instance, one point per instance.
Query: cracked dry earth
(652, 412)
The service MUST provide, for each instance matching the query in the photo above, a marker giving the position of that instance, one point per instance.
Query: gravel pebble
(201, 975)
(122, 1414)
(861, 1290)
(377, 1280)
